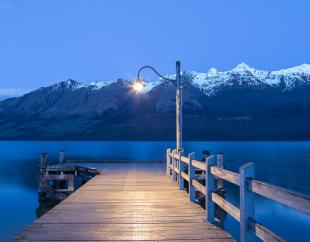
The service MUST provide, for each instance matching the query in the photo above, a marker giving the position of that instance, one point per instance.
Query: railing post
(61, 156)
(246, 203)
(191, 175)
(210, 187)
(220, 164)
(168, 161)
(173, 175)
(181, 168)
(43, 162)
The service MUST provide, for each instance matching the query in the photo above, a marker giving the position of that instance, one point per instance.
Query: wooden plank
(201, 188)
(177, 171)
(226, 175)
(227, 206)
(199, 164)
(185, 176)
(265, 234)
(176, 156)
(58, 176)
(281, 195)
(185, 159)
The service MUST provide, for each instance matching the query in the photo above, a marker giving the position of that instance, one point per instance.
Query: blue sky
(44, 42)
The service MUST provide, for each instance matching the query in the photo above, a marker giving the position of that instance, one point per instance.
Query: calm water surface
(285, 164)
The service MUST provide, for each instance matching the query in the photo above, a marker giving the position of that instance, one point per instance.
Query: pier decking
(128, 201)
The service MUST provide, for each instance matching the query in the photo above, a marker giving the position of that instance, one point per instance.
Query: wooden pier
(128, 201)
(158, 202)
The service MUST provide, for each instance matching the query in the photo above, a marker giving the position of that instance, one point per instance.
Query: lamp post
(139, 85)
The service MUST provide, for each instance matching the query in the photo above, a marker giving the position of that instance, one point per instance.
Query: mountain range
(240, 104)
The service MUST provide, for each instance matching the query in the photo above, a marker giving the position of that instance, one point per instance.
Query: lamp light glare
(138, 85)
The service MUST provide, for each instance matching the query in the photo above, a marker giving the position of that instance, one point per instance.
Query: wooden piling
(220, 164)
(61, 156)
(247, 232)
(174, 174)
(168, 161)
(210, 187)
(181, 167)
(191, 173)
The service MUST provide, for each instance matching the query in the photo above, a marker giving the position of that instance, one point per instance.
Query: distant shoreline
(168, 140)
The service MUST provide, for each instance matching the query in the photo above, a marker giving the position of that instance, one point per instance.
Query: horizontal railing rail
(215, 174)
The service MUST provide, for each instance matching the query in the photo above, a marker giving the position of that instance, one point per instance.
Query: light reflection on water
(285, 164)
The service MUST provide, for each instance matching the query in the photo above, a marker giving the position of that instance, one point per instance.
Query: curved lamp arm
(156, 72)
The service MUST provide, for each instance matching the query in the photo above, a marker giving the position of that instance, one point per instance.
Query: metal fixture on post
(138, 85)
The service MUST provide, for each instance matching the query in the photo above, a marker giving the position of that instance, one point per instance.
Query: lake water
(285, 164)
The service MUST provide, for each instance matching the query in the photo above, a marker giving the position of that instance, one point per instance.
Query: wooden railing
(214, 176)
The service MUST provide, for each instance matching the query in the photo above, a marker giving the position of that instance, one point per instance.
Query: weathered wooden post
(220, 164)
(191, 175)
(173, 177)
(210, 188)
(71, 183)
(181, 168)
(43, 171)
(43, 162)
(246, 203)
(61, 156)
(44, 157)
(168, 159)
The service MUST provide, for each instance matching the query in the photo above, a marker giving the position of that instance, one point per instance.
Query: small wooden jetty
(59, 180)
(159, 202)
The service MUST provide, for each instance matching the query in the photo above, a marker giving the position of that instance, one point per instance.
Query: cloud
(12, 92)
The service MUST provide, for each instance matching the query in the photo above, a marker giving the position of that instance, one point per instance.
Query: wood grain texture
(281, 195)
(227, 206)
(127, 202)
(226, 175)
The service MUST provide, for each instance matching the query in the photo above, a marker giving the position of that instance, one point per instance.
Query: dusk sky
(44, 42)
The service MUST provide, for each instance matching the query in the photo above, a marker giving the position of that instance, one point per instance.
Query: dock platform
(126, 202)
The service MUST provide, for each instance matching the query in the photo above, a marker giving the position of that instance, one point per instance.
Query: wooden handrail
(201, 188)
(260, 231)
(176, 170)
(185, 176)
(281, 195)
(185, 159)
(226, 175)
(180, 157)
(265, 234)
(176, 156)
(227, 206)
(199, 164)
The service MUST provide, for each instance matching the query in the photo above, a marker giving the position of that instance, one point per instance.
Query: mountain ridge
(242, 103)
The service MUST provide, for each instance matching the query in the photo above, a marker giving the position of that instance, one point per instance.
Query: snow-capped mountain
(242, 74)
(241, 103)
(213, 81)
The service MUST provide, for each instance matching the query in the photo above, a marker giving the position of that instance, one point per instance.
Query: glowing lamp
(138, 85)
